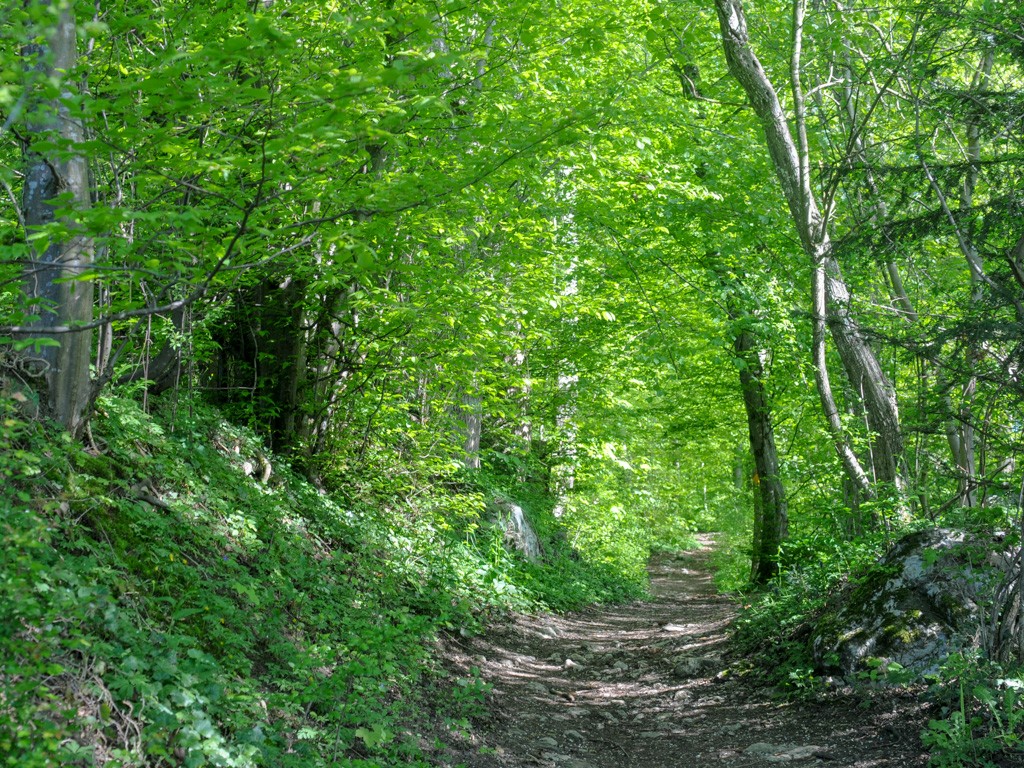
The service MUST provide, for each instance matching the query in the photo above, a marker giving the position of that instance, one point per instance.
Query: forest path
(638, 686)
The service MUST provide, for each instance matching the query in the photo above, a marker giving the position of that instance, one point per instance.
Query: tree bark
(854, 471)
(771, 519)
(866, 376)
(163, 370)
(792, 168)
(472, 418)
(285, 378)
(52, 275)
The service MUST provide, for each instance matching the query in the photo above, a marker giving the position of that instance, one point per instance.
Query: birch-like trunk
(792, 165)
(472, 417)
(63, 301)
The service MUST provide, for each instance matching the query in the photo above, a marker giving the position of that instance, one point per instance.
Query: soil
(648, 684)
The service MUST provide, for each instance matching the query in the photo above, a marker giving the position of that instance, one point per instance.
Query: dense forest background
(294, 296)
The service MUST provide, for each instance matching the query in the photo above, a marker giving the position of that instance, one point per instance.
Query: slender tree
(771, 515)
(832, 301)
(55, 197)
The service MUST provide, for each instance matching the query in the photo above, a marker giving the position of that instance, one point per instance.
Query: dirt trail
(639, 686)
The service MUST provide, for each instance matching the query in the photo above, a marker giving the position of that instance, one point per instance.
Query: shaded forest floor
(641, 684)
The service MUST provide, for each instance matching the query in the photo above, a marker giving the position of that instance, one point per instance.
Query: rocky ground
(644, 685)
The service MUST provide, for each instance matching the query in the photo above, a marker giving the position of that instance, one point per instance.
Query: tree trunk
(566, 455)
(288, 348)
(966, 462)
(472, 418)
(519, 395)
(771, 518)
(854, 471)
(163, 370)
(866, 377)
(62, 300)
(792, 168)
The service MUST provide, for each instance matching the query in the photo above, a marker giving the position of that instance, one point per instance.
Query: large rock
(922, 601)
(518, 532)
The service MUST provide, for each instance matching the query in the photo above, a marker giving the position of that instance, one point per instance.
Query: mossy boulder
(920, 602)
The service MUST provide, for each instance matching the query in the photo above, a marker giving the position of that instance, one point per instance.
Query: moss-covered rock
(920, 602)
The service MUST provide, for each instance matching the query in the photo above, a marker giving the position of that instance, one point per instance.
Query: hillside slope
(173, 595)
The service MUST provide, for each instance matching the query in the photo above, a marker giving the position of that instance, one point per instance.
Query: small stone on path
(783, 753)
(732, 729)
(675, 628)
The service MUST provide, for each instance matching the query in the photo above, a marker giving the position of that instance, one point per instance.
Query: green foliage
(160, 602)
(983, 713)
(766, 632)
(593, 556)
(982, 709)
(364, 235)
(772, 624)
(989, 519)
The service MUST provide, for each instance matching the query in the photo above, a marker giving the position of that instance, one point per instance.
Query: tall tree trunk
(866, 377)
(967, 464)
(64, 301)
(792, 165)
(857, 150)
(286, 328)
(472, 418)
(519, 395)
(854, 471)
(771, 517)
(472, 413)
(566, 455)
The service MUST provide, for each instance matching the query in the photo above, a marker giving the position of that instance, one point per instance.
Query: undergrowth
(979, 704)
(981, 707)
(774, 621)
(162, 604)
